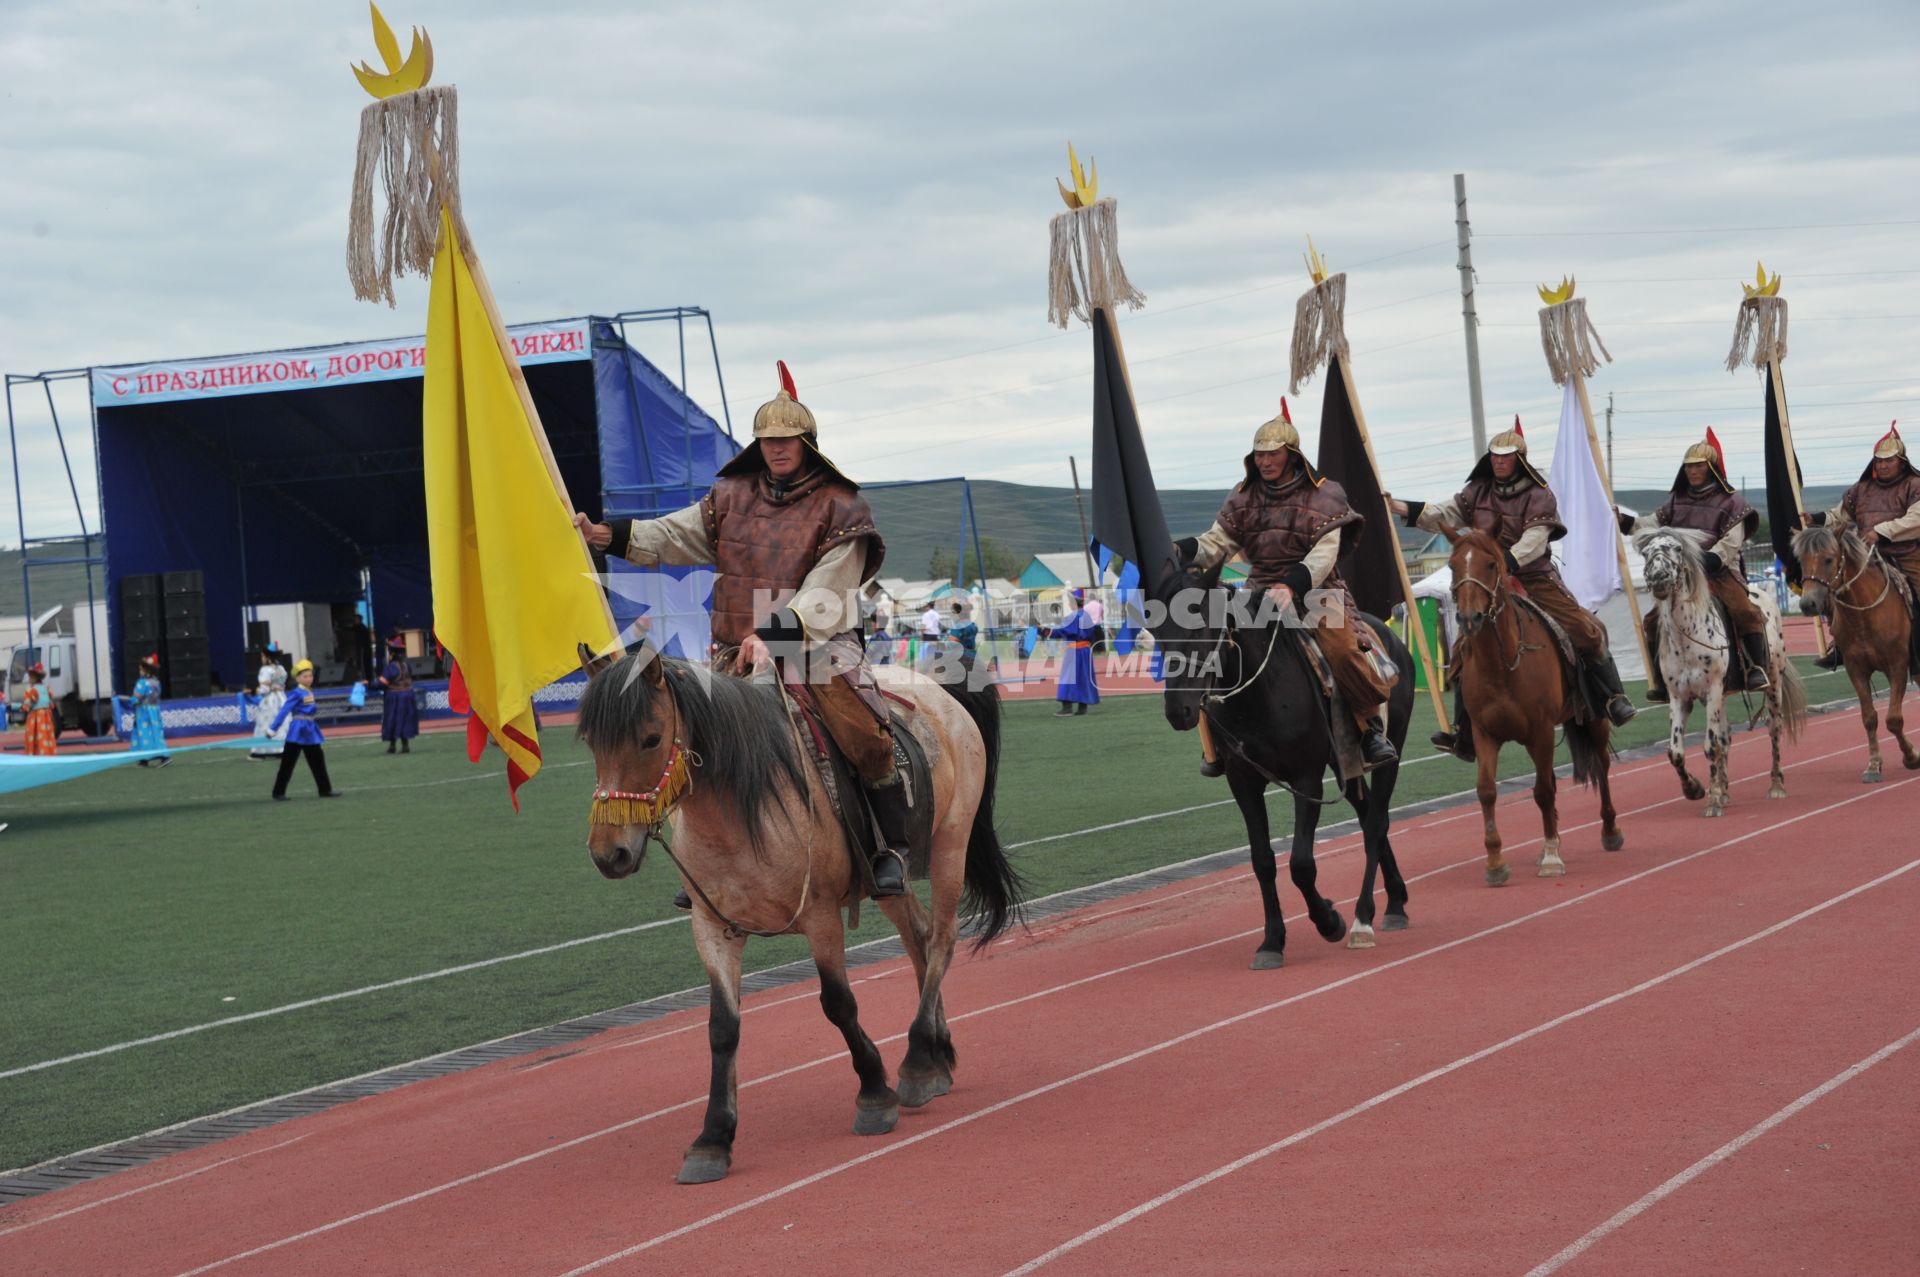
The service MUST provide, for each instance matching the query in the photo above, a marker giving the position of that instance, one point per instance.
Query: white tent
(1614, 614)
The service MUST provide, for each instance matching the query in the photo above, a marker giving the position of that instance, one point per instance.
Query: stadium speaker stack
(142, 625)
(185, 669)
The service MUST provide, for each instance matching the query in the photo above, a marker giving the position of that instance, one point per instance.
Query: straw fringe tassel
(1569, 339)
(1759, 334)
(1084, 272)
(1319, 330)
(413, 140)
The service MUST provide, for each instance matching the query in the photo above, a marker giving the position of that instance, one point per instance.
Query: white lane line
(147, 1188)
(1375, 1101)
(1191, 1035)
(1721, 1154)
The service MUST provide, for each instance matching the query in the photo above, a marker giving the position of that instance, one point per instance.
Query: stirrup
(682, 901)
(1212, 768)
(1830, 659)
(1459, 744)
(1757, 680)
(1658, 695)
(889, 875)
(1376, 750)
(1620, 710)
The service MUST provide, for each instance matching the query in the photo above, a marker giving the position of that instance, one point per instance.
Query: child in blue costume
(303, 735)
(400, 719)
(149, 732)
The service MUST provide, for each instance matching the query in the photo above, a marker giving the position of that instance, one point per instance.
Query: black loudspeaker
(139, 587)
(184, 583)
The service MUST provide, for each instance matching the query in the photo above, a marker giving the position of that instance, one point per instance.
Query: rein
(1498, 597)
(1233, 742)
(1873, 559)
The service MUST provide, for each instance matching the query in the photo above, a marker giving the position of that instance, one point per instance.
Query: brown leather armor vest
(766, 542)
(1712, 512)
(1870, 503)
(1505, 516)
(1275, 530)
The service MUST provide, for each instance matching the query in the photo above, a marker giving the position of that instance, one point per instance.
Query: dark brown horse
(723, 762)
(1840, 575)
(1517, 687)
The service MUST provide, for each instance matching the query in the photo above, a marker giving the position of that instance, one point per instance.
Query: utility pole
(1086, 537)
(1609, 434)
(1465, 234)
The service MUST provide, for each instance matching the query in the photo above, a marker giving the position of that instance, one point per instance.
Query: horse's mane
(737, 727)
(1819, 539)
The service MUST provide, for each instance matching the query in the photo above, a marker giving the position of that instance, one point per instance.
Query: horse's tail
(1584, 745)
(993, 887)
(1793, 701)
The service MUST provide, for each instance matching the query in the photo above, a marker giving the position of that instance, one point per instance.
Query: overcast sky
(863, 189)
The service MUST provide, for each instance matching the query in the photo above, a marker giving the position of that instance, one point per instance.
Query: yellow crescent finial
(1554, 296)
(1316, 264)
(1086, 189)
(1761, 285)
(401, 76)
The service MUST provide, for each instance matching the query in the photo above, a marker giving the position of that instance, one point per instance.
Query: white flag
(1589, 555)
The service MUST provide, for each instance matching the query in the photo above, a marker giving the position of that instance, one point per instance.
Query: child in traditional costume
(303, 735)
(37, 706)
(271, 689)
(400, 721)
(149, 733)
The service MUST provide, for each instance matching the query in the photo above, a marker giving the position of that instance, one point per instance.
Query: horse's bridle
(1833, 591)
(1498, 597)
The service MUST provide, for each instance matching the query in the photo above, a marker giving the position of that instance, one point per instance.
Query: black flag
(1368, 565)
(1783, 505)
(1127, 518)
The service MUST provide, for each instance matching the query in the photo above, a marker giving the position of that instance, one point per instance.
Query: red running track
(1691, 1055)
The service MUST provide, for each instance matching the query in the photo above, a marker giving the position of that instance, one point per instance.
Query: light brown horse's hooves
(1553, 869)
(1870, 777)
(1498, 877)
(1360, 937)
(1711, 810)
(1777, 790)
(877, 1120)
(1267, 960)
(702, 1166)
(1613, 841)
(916, 1091)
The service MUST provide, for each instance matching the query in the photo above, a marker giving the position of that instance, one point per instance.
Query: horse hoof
(1911, 764)
(878, 1120)
(1267, 960)
(1498, 877)
(1870, 777)
(1393, 921)
(1777, 791)
(916, 1091)
(1555, 868)
(1694, 793)
(702, 1166)
(1361, 937)
(1613, 841)
(1334, 928)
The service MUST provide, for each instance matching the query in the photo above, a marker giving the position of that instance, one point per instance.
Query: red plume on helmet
(1284, 414)
(1713, 441)
(1516, 426)
(786, 380)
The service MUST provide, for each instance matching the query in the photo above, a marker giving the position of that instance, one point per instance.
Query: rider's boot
(1656, 677)
(1619, 709)
(1459, 741)
(890, 809)
(1831, 659)
(1755, 646)
(1210, 764)
(682, 901)
(1375, 749)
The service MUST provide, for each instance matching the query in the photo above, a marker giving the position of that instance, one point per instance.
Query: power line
(1696, 230)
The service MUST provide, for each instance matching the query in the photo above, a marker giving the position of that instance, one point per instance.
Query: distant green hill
(52, 586)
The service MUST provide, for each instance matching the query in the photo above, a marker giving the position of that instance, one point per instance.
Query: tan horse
(1841, 576)
(755, 837)
(1516, 687)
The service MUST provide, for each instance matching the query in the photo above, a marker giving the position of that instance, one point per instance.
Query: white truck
(73, 645)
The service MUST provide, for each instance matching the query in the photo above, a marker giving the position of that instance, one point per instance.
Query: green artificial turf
(139, 902)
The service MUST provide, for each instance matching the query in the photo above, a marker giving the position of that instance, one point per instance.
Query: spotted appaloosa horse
(756, 839)
(1694, 655)
(1841, 576)
(1517, 687)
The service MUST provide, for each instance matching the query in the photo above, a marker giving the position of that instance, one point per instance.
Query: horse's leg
(926, 1071)
(1776, 709)
(878, 1107)
(1611, 839)
(1372, 834)
(1544, 785)
(1249, 792)
(1487, 752)
(1321, 911)
(1719, 745)
(1863, 688)
(711, 1154)
(1679, 709)
(1896, 720)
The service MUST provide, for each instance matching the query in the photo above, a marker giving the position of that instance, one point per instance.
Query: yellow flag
(513, 587)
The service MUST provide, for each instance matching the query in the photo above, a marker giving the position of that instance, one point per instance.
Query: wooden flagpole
(1399, 560)
(1619, 538)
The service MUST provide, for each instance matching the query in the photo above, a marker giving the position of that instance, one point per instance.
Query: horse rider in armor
(1506, 498)
(1292, 525)
(793, 542)
(1704, 502)
(1884, 508)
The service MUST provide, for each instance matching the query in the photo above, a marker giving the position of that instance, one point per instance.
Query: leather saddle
(849, 797)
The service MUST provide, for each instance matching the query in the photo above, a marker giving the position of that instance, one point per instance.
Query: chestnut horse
(1841, 575)
(1517, 687)
(754, 835)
